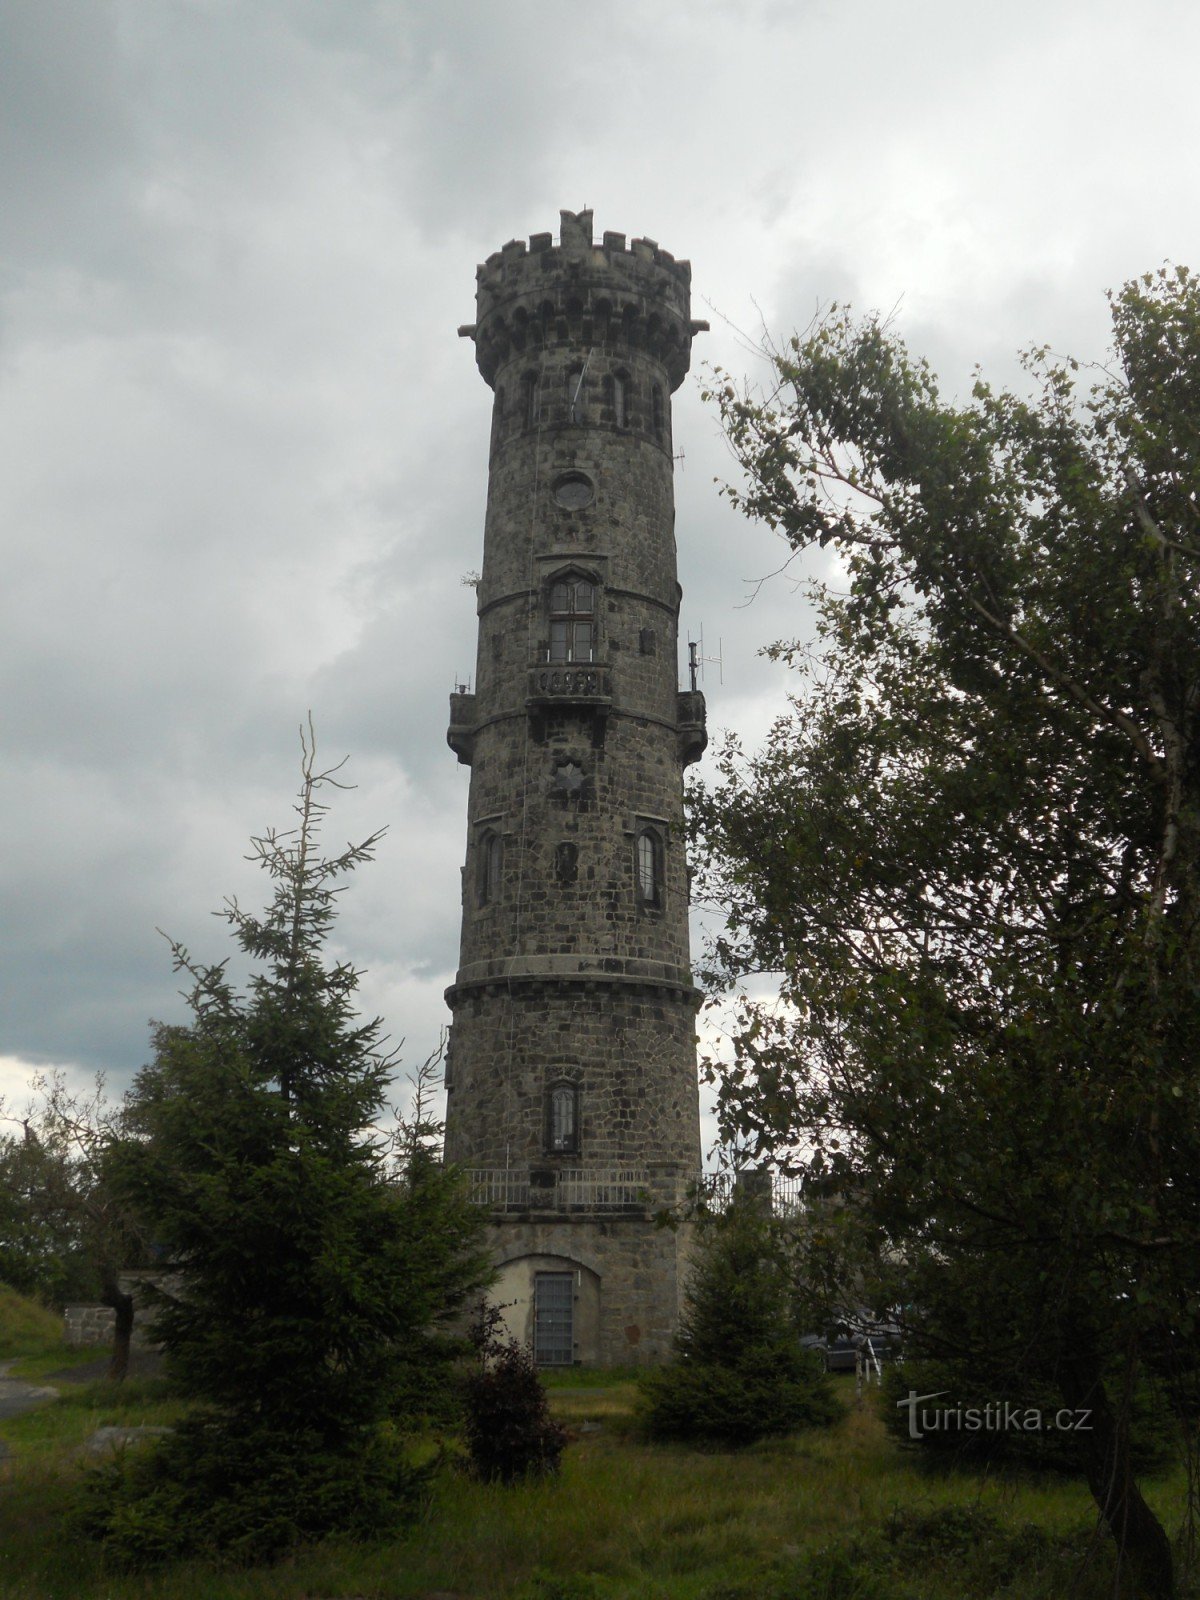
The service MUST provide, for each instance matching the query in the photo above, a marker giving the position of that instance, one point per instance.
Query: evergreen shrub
(740, 1373)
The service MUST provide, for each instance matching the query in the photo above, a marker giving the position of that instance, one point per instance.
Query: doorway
(554, 1319)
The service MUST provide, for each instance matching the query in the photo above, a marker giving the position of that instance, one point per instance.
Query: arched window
(562, 1119)
(575, 383)
(491, 867)
(529, 399)
(618, 399)
(648, 866)
(572, 620)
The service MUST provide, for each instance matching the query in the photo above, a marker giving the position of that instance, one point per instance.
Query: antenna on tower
(461, 688)
(697, 660)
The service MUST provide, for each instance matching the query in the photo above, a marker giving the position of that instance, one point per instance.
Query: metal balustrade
(597, 1190)
(566, 681)
(716, 1190)
(568, 1188)
(612, 1188)
(499, 1186)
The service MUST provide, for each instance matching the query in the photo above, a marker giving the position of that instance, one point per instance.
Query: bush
(768, 1392)
(205, 1493)
(740, 1374)
(1154, 1434)
(510, 1432)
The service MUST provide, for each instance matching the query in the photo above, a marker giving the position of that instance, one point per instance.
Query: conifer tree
(310, 1272)
(739, 1372)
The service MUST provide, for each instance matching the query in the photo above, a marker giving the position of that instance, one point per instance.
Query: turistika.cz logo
(997, 1416)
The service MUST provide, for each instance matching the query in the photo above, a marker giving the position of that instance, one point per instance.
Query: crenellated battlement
(624, 297)
(575, 238)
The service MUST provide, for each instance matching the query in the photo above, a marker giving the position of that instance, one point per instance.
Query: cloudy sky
(244, 453)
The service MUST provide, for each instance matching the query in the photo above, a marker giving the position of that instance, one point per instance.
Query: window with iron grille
(648, 865)
(562, 1120)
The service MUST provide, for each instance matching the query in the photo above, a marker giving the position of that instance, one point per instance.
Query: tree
(740, 1373)
(63, 1231)
(311, 1275)
(971, 848)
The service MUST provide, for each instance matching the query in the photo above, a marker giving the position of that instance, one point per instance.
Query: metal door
(554, 1319)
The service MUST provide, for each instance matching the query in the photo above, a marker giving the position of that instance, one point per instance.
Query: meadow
(839, 1514)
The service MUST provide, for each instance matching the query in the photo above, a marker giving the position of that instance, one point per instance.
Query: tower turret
(572, 1074)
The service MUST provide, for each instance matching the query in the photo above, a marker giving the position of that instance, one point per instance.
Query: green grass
(840, 1514)
(26, 1327)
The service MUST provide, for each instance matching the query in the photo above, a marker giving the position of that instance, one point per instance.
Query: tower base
(590, 1291)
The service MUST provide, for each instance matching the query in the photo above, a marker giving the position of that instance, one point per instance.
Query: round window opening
(574, 491)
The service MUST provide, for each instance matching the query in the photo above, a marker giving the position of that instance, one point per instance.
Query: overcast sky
(244, 453)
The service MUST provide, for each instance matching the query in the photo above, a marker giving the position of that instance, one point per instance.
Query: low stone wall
(88, 1327)
(85, 1327)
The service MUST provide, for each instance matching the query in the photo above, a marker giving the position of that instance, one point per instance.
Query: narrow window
(566, 862)
(529, 395)
(572, 620)
(656, 403)
(575, 382)
(618, 399)
(498, 414)
(563, 1119)
(649, 868)
(491, 867)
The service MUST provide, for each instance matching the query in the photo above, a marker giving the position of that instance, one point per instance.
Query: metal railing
(570, 1188)
(716, 1190)
(567, 681)
(499, 1186)
(598, 1190)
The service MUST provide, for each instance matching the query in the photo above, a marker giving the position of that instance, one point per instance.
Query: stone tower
(571, 1070)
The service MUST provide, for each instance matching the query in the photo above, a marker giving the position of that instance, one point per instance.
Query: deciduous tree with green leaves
(312, 1269)
(970, 849)
(64, 1233)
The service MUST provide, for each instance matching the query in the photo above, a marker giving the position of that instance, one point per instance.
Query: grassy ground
(836, 1515)
(26, 1328)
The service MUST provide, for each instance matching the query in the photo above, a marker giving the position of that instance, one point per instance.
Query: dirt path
(17, 1397)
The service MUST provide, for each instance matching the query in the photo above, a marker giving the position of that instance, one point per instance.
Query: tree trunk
(113, 1295)
(1143, 1549)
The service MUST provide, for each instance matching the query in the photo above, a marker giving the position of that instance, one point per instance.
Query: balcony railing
(564, 1189)
(500, 1187)
(716, 1190)
(602, 1190)
(566, 681)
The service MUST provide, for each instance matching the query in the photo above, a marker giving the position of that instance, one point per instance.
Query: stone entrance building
(571, 1070)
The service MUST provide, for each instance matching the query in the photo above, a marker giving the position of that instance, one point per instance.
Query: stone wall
(87, 1327)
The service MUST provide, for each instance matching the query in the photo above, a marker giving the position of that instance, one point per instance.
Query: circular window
(574, 491)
